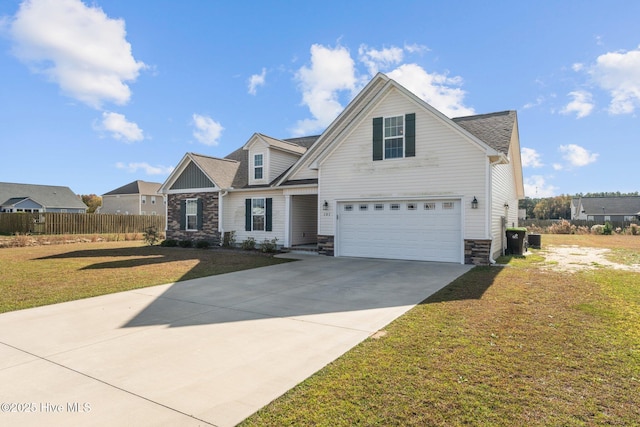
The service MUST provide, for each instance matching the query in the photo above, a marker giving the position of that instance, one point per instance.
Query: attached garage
(424, 230)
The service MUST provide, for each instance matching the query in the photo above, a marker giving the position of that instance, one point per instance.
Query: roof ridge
(213, 157)
(476, 116)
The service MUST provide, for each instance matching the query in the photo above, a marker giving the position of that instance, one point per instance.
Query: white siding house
(391, 177)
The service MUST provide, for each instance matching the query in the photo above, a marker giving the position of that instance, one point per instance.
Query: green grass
(41, 275)
(519, 345)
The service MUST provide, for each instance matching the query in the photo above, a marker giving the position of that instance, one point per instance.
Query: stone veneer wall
(325, 245)
(209, 231)
(477, 252)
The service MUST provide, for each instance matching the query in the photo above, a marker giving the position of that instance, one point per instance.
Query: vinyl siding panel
(280, 161)
(192, 177)
(125, 204)
(234, 215)
(445, 164)
(503, 191)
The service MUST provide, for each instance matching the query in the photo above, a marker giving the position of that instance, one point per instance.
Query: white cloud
(332, 71)
(78, 47)
(120, 128)
(619, 73)
(415, 48)
(439, 90)
(577, 155)
(538, 102)
(557, 167)
(582, 104)
(530, 158)
(257, 80)
(536, 186)
(146, 167)
(375, 60)
(577, 67)
(207, 130)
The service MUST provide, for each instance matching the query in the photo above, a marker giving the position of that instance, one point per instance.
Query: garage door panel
(417, 230)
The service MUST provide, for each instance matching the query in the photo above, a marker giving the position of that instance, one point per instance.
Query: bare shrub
(562, 227)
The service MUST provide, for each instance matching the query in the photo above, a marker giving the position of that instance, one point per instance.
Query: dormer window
(258, 166)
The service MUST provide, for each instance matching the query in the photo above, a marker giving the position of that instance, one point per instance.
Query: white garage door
(428, 230)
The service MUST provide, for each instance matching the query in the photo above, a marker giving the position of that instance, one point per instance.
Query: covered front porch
(301, 219)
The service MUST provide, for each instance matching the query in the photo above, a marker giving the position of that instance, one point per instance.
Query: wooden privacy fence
(75, 223)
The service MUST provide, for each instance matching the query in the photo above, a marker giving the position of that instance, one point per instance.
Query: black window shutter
(200, 215)
(268, 223)
(247, 215)
(183, 214)
(410, 135)
(377, 138)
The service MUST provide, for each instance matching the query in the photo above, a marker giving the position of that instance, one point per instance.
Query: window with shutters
(191, 214)
(394, 137)
(257, 214)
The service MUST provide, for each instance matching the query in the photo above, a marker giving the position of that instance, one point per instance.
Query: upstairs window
(258, 166)
(394, 137)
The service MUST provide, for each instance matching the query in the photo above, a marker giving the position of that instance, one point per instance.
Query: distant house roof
(49, 196)
(623, 205)
(494, 129)
(136, 187)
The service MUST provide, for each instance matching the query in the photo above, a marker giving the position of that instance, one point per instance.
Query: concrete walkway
(208, 351)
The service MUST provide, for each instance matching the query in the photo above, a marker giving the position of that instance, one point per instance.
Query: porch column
(287, 221)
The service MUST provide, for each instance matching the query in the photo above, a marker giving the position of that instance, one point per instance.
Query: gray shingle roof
(494, 129)
(221, 171)
(624, 205)
(241, 179)
(50, 196)
(136, 187)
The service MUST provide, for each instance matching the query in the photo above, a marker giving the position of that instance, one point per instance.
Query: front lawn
(519, 345)
(41, 275)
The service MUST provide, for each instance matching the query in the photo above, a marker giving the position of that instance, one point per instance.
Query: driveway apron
(209, 351)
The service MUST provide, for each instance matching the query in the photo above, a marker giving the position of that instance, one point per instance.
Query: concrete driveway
(209, 351)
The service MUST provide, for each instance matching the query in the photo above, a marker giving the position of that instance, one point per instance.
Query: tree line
(559, 207)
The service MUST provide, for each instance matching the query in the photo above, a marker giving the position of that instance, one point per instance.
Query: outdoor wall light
(474, 203)
(506, 205)
(325, 206)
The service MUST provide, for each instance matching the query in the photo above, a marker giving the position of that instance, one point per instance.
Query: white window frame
(256, 214)
(153, 200)
(191, 213)
(394, 136)
(259, 167)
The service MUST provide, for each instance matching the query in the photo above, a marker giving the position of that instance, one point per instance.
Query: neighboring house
(39, 198)
(135, 198)
(391, 177)
(601, 209)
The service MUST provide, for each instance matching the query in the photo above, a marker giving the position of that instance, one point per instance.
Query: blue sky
(96, 94)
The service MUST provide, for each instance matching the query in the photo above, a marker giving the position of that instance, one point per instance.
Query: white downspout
(490, 209)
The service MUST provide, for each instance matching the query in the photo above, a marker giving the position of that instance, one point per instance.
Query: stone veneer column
(325, 245)
(477, 252)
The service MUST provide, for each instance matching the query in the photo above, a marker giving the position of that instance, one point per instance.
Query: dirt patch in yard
(576, 258)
